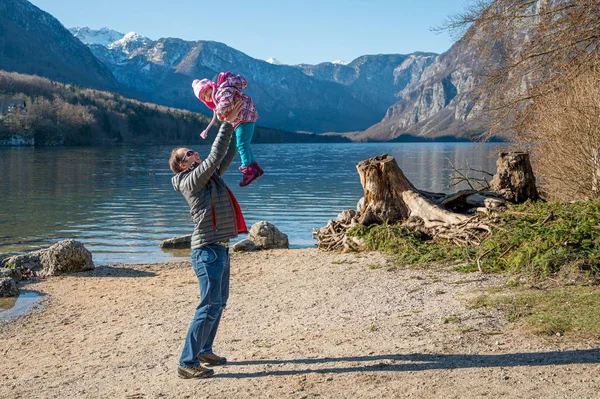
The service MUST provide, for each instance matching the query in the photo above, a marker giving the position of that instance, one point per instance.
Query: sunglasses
(188, 154)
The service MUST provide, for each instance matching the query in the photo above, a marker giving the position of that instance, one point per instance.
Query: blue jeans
(243, 135)
(211, 265)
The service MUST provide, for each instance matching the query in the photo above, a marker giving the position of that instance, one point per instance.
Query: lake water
(120, 203)
(11, 308)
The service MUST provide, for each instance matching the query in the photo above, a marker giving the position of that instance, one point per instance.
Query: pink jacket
(227, 93)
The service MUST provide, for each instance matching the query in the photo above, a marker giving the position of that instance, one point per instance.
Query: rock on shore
(68, 256)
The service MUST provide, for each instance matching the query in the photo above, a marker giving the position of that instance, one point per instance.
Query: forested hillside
(59, 114)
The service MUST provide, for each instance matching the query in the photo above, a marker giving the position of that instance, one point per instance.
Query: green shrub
(544, 237)
(410, 247)
(538, 239)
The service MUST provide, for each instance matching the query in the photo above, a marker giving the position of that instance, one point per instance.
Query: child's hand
(230, 117)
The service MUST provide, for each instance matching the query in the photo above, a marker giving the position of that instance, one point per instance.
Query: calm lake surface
(120, 203)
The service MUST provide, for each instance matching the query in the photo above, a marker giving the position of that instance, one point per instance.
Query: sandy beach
(300, 323)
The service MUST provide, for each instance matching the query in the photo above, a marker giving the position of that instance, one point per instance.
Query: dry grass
(565, 127)
(570, 311)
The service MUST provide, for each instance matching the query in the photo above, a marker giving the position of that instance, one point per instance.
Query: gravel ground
(299, 324)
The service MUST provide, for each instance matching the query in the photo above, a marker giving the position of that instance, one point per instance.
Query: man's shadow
(114, 271)
(420, 362)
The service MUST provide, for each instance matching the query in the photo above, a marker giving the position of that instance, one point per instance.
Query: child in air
(220, 97)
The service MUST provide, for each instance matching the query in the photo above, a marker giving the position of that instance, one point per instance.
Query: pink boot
(260, 171)
(251, 173)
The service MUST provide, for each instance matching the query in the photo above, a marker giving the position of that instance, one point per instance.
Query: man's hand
(230, 117)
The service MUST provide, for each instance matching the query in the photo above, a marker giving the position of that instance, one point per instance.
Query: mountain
(274, 61)
(34, 42)
(441, 102)
(380, 97)
(103, 36)
(438, 104)
(300, 98)
(376, 80)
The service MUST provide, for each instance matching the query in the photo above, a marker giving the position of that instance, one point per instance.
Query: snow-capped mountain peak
(340, 62)
(128, 44)
(129, 41)
(111, 39)
(102, 36)
(132, 36)
(274, 61)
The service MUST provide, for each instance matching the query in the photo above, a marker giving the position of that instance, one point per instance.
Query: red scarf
(241, 223)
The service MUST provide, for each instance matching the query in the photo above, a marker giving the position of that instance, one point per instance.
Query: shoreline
(299, 323)
(21, 305)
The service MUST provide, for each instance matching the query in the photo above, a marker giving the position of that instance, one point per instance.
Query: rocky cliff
(448, 100)
(440, 103)
(376, 80)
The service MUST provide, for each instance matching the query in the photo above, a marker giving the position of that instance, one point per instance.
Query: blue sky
(304, 31)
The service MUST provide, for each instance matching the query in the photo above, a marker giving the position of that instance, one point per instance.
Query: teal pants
(243, 135)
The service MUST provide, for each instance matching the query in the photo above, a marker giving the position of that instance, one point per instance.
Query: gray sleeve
(200, 176)
(231, 153)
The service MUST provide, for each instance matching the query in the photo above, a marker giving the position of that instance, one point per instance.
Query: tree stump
(514, 179)
(390, 197)
(383, 183)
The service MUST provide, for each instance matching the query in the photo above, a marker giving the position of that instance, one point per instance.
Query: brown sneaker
(194, 372)
(212, 359)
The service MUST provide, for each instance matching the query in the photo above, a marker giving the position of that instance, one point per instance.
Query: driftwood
(461, 175)
(389, 197)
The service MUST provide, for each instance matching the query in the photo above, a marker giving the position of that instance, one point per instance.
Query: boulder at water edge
(245, 245)
(263, 235)
(23, 263)
(10, 273)
(181, 242)
(8, 287)
(68, 256)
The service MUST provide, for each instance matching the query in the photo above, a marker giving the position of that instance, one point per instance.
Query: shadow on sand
(114, 271)
(420, 362)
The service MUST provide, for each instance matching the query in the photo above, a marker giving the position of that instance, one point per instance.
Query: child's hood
(199, 86)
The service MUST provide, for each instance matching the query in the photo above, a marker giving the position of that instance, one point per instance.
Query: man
(217, 218)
